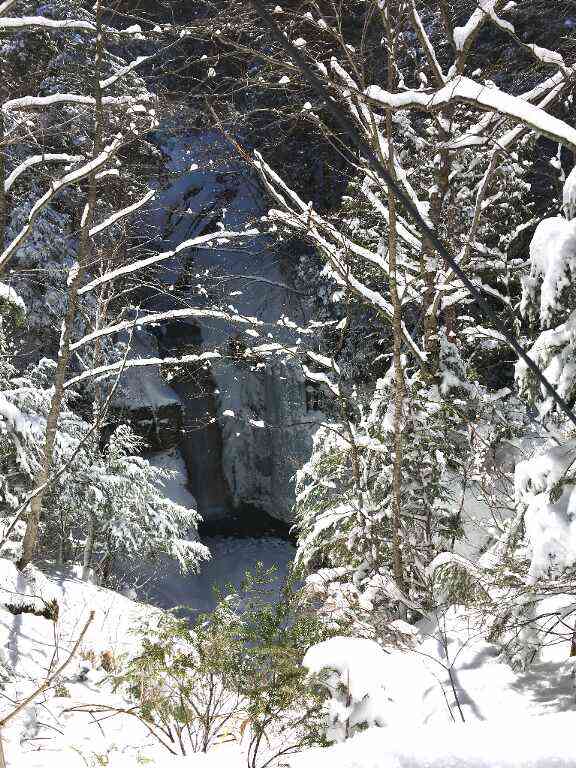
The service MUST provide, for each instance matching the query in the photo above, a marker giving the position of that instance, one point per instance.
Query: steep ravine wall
(267, 433)
(244, 427)
(201, 438)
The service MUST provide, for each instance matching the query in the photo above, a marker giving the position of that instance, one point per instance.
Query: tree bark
(89, 546)
(30, 541)
(399, 388)
(3, 201)
(399, 384)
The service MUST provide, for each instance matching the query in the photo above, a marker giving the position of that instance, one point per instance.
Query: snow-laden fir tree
(104, 504)
(345, 506)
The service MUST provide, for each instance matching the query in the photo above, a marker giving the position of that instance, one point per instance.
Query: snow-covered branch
(426, 44)
(465, 91)
(321, 378)
(548, 91)
(104, 371)
(36, 160)
(174, 314)
(135, 266)
(38, 102)
(188, 312)
(366, 122)
(122, 214)
(6, 5)
(301, 216)
(124, 71)
(465, 35)
(39, 22)
(71, 178)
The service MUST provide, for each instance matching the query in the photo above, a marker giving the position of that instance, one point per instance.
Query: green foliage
(177, 683)
(345, 499)
(236, 670)
(279, 700)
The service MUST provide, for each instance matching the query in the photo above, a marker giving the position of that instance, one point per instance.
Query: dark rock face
(201, 443)
(200, 439)
(161, 427)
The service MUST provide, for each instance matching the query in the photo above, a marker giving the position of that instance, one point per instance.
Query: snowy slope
(32, 645)
(511, 742)
(450, 702)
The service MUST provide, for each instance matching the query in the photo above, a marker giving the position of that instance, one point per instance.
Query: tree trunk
(30, 541)
(392, 34)
(431, 341)
(399, 388)
(89, 547)
(3, 202)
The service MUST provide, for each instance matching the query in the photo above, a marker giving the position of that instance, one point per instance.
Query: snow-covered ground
(453, 702)
(230, 559)
(450, 702)
(508, 742)
(48, 733)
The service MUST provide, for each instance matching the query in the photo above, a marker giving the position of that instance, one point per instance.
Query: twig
(49, 680)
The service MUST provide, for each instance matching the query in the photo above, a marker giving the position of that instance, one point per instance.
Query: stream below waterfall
(231, 558)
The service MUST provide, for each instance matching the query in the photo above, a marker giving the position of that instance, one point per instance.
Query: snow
(553, 263)
(551, 531)
(463, 35)
(118, 215)
(176, 486)
(450, 701)
(569, 195)
(547, 56)
(134, 29)
(553, 353)
(70, 178)
(34, 102)
(9, 295)
(550, 526)
(230, 559)
(358, 662)
(464, 90)
(143, 387)
(38, 22)
(355, 680)
(511, 742)
(30, 644)
(35, 160)
(509, 719)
